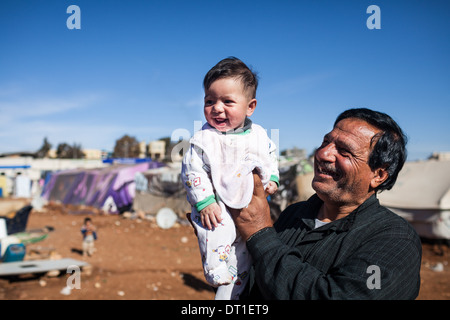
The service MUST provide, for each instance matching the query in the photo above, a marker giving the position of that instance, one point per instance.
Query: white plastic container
(3, 230)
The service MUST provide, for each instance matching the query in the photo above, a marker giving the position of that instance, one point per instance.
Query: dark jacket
(370, 254)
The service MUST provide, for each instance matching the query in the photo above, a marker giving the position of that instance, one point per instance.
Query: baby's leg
(238, 265)
(215, 247)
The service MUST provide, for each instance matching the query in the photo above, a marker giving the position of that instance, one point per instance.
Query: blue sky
(136, 67)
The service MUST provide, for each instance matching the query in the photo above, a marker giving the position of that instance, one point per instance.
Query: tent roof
(420, 185)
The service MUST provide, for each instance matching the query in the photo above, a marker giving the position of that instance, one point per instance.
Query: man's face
(227, 105)
(341, 171)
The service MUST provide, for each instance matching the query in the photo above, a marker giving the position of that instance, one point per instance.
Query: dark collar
(340, 225)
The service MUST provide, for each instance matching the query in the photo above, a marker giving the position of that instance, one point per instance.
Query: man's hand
(257, 215)
(211, 216)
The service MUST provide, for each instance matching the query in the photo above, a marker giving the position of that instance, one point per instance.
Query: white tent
(421, 195)
(159, 188)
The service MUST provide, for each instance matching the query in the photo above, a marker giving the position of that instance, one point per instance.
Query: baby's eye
(208, 102)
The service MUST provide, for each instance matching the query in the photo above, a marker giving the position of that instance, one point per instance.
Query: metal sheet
(38, 266)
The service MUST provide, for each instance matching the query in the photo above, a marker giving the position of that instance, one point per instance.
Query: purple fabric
(93, 186)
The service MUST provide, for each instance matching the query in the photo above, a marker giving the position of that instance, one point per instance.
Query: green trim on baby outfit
(274, 178)
(205, 202)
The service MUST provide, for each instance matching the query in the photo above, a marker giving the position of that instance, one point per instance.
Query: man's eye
(345, 152)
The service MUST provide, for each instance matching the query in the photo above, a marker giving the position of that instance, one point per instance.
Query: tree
(65, 151)
(169, 146)
(43, 151)
(126, 147)
(77, 151)
(181, 147)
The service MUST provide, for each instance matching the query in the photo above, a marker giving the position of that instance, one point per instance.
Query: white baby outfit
(218, 168)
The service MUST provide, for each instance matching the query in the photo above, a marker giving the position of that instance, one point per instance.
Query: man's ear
(380, 176)
(251, 107)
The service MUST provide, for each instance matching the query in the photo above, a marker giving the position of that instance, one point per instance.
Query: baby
(217, 172)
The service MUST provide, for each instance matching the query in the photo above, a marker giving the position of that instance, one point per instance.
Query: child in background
(217, 172)
(89, 233)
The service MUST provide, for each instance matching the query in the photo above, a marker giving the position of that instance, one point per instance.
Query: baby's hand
(271, 188)
(211, 216)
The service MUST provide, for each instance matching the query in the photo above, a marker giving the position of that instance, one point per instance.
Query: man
(340, 244)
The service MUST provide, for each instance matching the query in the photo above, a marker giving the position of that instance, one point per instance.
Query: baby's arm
(200, 192)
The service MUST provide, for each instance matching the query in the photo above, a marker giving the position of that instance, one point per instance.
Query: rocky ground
(137, 260)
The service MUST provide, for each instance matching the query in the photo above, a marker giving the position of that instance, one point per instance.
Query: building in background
(157, 150)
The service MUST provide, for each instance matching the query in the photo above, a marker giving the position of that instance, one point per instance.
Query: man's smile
(326, 170)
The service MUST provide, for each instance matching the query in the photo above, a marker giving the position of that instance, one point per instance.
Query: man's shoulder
(396, 221)
(382, 219)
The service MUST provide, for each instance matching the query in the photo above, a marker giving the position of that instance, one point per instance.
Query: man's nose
(326, 153)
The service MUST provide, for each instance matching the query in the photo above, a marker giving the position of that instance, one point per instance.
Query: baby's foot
(218, 276)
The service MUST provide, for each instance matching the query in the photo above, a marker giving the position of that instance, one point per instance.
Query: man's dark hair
(390, 148)
(232, 67)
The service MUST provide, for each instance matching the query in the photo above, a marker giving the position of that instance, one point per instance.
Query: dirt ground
(137, 260)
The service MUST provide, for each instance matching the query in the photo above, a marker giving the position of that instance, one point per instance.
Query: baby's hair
(232, 67)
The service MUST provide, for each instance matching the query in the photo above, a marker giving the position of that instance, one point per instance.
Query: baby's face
(227, 105)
